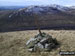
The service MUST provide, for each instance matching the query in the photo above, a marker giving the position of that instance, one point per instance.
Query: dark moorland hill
(48, 17)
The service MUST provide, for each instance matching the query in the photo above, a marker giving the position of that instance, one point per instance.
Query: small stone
(31, 43)
(40, 45)
(31, 50)
(43, 40)
(49, 46)
(46, 45)
(32, 39)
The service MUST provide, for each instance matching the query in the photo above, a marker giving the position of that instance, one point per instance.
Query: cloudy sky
(36, 2)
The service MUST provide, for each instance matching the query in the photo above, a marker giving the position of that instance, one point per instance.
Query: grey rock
(46, 45)
(43, 40)
(49, 46)
(40, 45)
(32, 39)
(31, 43)
(31, 50)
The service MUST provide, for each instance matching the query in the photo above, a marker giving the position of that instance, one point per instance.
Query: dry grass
(13, 43)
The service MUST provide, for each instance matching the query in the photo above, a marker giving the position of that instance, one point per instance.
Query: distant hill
(49, 17)
(11, 7)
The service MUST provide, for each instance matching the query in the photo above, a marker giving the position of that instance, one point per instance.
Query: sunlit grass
(13, 43)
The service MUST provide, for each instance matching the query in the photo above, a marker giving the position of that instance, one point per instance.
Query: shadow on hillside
(35, 28)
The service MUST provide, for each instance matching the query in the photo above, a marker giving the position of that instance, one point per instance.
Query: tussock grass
(13, 43)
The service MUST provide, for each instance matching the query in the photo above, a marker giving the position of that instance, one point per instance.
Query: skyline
(36, 2)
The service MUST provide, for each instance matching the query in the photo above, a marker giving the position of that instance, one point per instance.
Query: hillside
(48, 17)
(13, 43)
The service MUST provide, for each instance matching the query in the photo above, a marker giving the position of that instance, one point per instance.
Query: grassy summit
(13, 43)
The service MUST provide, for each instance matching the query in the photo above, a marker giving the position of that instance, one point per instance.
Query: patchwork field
(13, 43)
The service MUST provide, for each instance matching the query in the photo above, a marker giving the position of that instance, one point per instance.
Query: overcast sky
(36, 2)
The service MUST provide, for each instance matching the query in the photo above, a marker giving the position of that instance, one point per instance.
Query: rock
(46, 45)
(32, 39)
(49, 46)
(44, 40)
(40, 45)
(31, 43)
(31, 50)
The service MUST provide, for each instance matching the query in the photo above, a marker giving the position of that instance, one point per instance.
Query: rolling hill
(48, 17)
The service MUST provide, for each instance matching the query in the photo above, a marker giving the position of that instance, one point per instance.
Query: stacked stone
(42, 43)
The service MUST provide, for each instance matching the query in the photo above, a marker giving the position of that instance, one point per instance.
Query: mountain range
(48, 17)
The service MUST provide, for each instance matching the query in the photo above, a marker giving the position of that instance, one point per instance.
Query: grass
(13, 43)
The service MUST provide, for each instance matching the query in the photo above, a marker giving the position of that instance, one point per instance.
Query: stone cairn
(42, 43)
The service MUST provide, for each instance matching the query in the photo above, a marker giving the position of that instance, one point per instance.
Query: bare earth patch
(13, 43)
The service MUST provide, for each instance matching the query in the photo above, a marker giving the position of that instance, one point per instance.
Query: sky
(36, 2)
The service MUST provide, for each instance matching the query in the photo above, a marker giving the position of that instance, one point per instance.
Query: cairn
(42, 43)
